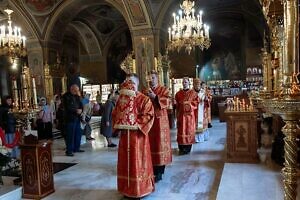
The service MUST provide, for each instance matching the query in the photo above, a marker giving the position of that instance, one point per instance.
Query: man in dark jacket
(72, 111)
(8, 124)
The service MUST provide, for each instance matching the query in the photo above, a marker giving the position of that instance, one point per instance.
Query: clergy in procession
(133, 115)
(159, 135)
(207, 110)
(208, 94)
(200, 121)
(186, 102)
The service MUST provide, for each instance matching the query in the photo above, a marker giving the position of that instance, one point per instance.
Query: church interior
(245, 51)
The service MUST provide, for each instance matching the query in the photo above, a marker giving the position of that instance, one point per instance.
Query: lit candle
(180, 13)
(174, 16)
(193, 13)
(34, 92)
(201, 33)
(169, 31)
(201, 12)
(207, 31)
(15, 32)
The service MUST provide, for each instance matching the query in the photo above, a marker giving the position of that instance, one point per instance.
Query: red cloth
(134, 170)
(159, 135)
(186, 104)
(127, 117)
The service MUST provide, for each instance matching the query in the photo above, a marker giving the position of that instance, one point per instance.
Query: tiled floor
(200, 175)
(193, 176)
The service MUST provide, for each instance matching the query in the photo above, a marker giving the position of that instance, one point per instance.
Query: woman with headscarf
(44, 120)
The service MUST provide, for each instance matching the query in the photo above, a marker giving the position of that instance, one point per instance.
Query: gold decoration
(188, 31)
(287, 101)
(48, 82)
(128, 64)
(12, 43)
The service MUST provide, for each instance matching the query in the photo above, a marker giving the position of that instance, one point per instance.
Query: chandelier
(12, 43)
(188, 31)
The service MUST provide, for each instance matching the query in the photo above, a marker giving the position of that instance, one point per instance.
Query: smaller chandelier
(12, 43)
(188, 31)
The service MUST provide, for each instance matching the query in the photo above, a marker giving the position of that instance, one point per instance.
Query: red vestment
(209, 100)
(159, 135)
(134, 169)
(186, 103)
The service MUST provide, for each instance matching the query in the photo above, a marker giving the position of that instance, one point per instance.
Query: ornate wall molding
(136, 12)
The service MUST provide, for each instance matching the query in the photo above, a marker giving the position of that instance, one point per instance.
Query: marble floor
(201, 175)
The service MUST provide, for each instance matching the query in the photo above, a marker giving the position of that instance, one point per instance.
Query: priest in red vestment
(134, 169)
(159, 135)
(186, 102)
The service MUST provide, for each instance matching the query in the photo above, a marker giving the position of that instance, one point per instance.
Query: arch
(91, 45)
(25, 20)
(113, 36)
(76, 7)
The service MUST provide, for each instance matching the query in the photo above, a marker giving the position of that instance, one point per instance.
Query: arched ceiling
(98, 20)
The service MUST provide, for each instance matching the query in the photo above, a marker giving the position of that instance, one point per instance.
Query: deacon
(159, 135)
(199, 112)
(186, 102)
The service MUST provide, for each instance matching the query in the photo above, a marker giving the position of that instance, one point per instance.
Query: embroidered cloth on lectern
(126, 108)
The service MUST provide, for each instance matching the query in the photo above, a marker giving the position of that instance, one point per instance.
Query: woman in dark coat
(106, 128)
(8, 124)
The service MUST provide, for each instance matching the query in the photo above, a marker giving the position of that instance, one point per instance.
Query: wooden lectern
(37, 168)
(242, 136)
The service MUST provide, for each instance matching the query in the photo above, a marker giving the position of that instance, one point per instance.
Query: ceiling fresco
(136, 12)
(41, 7)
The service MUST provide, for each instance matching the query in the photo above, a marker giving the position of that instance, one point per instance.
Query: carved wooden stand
(241, 136)
(37, 169)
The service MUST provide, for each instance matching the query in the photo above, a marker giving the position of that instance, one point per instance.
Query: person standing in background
(45, 120)
(199, 112)
(72, 112)
(98, 98)
(208, 98)
(86, 117)
(186, 101)
(159, 135)
(8, 124)
(106, 128)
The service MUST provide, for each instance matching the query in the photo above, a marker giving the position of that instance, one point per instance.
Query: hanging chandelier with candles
(187, 30)
(12, 43)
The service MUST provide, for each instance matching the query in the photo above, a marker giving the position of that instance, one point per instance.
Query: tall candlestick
(34, 92)
(24, 87)
(16, 95)
(155, 63)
